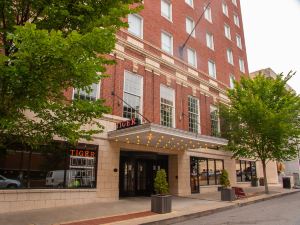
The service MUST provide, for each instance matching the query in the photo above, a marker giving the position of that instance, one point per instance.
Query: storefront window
(57, 165)
(202, 171)
(209, 171)
(245, 170)
(219, 168)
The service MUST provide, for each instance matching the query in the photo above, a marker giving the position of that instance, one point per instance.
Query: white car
(9, 183)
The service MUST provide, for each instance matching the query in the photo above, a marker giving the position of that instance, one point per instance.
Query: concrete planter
(161, 203)
(254, 183)
(227, 194)
(261, 181)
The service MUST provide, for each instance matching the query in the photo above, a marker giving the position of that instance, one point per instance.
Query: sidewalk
(130, 211)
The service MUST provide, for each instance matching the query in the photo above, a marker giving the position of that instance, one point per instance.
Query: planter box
(254, 183)
(227, 194)
(161, 203)
(261, 181)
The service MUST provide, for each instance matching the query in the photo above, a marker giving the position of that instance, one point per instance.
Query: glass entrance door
(127, 172)
(137, 172)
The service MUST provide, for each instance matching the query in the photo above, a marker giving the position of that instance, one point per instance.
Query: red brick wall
(154, 23)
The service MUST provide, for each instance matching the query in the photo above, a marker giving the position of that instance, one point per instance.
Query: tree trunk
(29, 168)
(265, 176)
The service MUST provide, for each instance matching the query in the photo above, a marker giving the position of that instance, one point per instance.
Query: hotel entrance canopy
(154, 135)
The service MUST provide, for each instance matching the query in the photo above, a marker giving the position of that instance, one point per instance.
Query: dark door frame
(151, 162)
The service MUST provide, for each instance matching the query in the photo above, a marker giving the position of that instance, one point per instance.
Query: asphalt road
(279, 211)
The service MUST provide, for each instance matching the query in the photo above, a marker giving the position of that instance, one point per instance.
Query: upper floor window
(207, 14)
(242, 65)
(225, 9)
(193, 114)
(214, 118)
(190, 24)
(239, 41)
(236, 20)
(212, 69)
(91, 95)
(231, 81)
(135, 23)
(133, 90)
(234, 2)
(167, 106)
(210, 41)
(192, 57)
(166, 9)
(229, 56)
(227, 31)
(190, 2)
(167, 42)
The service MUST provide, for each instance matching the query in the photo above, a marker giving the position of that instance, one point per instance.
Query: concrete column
(107, 178)
(184, 187)
(229, 165)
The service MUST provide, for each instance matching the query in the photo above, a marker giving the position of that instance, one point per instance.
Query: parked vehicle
(9, 183)
(74, 178)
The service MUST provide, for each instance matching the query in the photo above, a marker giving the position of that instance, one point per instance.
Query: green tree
(48, 47)
(224, 179)
(160, 182)
(262, 121)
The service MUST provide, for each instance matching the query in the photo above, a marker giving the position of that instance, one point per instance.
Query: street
(279, 211)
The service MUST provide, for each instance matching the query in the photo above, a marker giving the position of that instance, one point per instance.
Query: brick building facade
(173, 92)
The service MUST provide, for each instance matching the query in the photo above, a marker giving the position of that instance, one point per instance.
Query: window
(190, 2)
(135, 23)
(225, 9)
(207, 14)
(239, 41)
(167, 106)
(242, 65)
(189, 24)
(133, 90)
(91, 95)
(212, 69)
(55, 165)
(245, 170)
(214, 118)
(210, 41)
(227, 31)
(193, 114)
(231, 81)
(192, 57)
(167, 42)
(166, 9)
(236, 20)
(205, 172)
(229, 56)
(234, 2)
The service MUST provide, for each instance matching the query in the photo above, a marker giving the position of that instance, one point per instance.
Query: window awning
(154, 135)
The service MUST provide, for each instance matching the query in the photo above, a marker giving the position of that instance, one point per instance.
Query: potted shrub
(227, 193)
(254, 181)
(161, 202)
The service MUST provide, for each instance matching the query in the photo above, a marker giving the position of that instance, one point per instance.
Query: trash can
(286, 182)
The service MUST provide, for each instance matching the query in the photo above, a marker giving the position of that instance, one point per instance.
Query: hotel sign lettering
(129, 123)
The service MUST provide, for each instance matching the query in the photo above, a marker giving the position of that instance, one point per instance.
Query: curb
(191, 216)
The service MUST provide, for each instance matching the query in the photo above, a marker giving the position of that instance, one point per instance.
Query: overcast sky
(272, 33)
